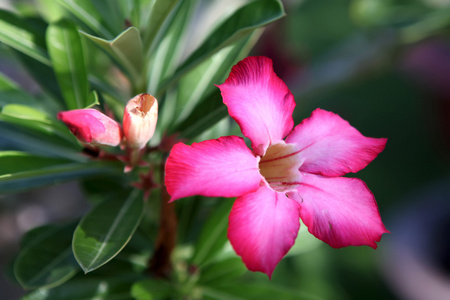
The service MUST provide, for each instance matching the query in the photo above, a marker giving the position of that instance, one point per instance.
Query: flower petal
(330, 146)
(262, 228)
(259, 102)
(214, 168)
(340, 211)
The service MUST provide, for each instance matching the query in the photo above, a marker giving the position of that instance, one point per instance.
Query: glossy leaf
(222, 271)
(199, 104)
(203, 116)
(214, 234)
(159, 12)
(47, 260)
(106, 229)
(12, 162)
(151, 289)
(37, 141)
(252, 291)
(16, 33)
(86, 287)
(44, 75)
(10, 92)
(240, 24)
(89, 15)
(28, 178)
(126, 49)
(67, 56)
(166, 56)
(34, 119)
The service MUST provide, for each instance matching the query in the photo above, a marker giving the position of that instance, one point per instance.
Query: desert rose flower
(290, 173)
(92, 127)
(139, 120)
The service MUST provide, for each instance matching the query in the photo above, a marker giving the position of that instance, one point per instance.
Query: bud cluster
(95, 128)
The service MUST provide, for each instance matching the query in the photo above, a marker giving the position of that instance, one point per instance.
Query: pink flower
(280, 181)
(92, 127)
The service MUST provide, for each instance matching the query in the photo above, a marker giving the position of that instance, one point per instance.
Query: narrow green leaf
(198, 102)
(214, 234)
(51, 10)
(106, 229)
(222, 271)
(256, 291)
(67, 56)
(89, 15)
(203, 116)
(10, 92)
(150, 289)
(21, 134)
(12, 162)
(242, 23)
(126, 49)
(49, 175)
(47, 260)
(159, 12)
(165, 58)
(43, 74)
(88, 288)
(35, 120)
(16, 33)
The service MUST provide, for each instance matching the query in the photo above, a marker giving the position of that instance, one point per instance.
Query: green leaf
(222, 271)
(12, 162)
(36, 140)
(89, 15)
(18, 34)
(67, 56)
(242, 23)
(43, 74)
(150, 289)
(203, 116)
(126, 49)
(214, 234)
(33, 119)
(199, 104)
(88, 288)
(250, 291)
(47, 259)
(106, 229)
(159, 12)
(11, 93)
(28, 177)
(165, 57)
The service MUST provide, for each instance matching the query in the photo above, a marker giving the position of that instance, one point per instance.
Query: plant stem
(160, 264)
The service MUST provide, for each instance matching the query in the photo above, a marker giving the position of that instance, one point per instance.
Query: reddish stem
(160, 264)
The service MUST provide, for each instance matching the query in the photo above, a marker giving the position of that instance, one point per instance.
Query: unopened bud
(139, 120)
(92, 127)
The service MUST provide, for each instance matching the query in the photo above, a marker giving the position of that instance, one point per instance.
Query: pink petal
(259, 102)
(262, 228)
(340, 211)
(92, 127)
(214, 168)
(331, 146)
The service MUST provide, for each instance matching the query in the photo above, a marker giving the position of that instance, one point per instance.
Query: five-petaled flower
(291, 173)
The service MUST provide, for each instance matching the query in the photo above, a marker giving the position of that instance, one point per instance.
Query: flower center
(280, 167)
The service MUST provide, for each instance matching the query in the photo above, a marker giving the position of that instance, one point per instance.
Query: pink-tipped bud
(92, 127)
(139, 120)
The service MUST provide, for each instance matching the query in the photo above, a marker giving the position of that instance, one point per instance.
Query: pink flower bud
(139, 120)
(92, 127)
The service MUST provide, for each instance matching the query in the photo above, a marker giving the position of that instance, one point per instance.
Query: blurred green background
(383, 65)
